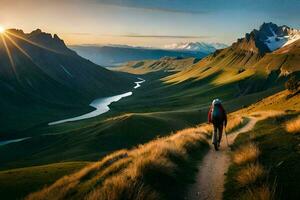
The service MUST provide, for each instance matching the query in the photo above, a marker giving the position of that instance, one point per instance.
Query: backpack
(217, 114)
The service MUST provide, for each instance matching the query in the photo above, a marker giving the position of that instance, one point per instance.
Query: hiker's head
(216, 101)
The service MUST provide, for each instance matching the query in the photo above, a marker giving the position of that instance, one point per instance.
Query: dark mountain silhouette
(39, 69)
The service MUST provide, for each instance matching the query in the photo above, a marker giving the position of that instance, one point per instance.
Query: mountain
(270, 49)
(275, 37)
(197, 46)
(38, 70)
(269, 37)
(117, 55)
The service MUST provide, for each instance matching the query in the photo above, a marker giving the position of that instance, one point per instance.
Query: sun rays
(10, 39)
(9, 54)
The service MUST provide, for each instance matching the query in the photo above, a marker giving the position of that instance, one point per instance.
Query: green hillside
(17, 183)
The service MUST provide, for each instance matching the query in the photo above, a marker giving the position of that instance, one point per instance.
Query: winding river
(101, 105)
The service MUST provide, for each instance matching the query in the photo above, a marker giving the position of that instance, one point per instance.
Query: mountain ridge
(205, 47)
(38, 69)
(114, 55)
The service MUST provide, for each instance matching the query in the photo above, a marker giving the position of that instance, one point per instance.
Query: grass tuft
(293, 126)
(263, 192)
(250, 174)
(246, 154)
(234, 122)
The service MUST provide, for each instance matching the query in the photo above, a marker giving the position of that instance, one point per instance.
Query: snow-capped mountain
(268, 38)
(196, 46)
(276, 37)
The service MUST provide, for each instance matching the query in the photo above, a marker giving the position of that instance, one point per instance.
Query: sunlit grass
(263, 192)
(129, 174)
(234, 122)
(293, 126)
(140, 173)
(250, 174)
(245, 154)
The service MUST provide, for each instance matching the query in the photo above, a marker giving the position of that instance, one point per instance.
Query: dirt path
(209, 183)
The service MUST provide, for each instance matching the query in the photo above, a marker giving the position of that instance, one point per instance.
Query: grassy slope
(132, 174)
(163, 64)
(279, 154)
(18, 183)
(135, 120)
(160, 169)
(279, 96)
(241, 64)
(285, 59)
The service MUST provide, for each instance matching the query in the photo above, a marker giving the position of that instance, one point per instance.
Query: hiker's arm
(209, 115)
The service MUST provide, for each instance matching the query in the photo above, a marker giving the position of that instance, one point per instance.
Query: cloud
(77, 33)
(166, 36)
(174, 6)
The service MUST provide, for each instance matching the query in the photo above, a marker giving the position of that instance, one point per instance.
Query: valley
(72, 118)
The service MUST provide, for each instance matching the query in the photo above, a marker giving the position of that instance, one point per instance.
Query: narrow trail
(210, 179)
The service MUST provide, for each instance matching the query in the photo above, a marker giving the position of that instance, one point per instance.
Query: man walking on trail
(217, 116)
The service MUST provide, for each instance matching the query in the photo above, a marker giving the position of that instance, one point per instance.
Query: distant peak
(205, 47)
(16, 31)
(37, 31)
(268, 38)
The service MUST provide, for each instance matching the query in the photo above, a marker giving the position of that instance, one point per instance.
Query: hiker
(217, 116)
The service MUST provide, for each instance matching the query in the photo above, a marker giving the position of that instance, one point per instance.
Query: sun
(2, 30)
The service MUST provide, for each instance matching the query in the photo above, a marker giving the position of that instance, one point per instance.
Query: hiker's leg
(220, 132)
(215, 133)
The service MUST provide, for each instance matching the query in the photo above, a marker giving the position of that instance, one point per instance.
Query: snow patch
(278, 41)
(275, 42)
(292, 39)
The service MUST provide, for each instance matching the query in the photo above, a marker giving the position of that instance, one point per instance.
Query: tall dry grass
(293, 126)
(263, 192)
(234, 122)
(246, 154)
(130, 174)
(250, 174)
(150, 171)
(267, 114)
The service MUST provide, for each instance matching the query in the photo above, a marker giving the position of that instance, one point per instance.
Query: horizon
(147, 24)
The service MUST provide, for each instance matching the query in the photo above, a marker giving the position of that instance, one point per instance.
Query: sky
(147, 22)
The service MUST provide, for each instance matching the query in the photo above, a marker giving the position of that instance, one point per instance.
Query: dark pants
(218, 130)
